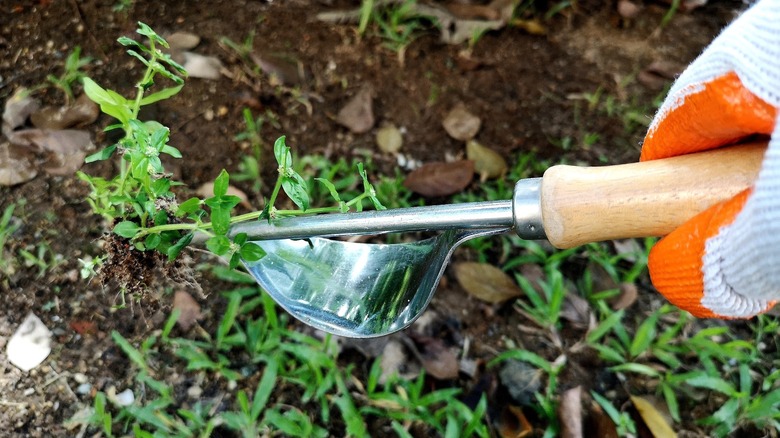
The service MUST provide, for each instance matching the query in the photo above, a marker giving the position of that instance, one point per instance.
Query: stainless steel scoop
(367, 290)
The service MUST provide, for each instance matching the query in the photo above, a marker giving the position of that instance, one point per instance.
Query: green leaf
(525, 356)
(176, 248)
(188, 207)
(636, 368)
(127, 42)
(110, 101)
(152, 241)
(296, 189)
(103, 154)
(172, 151)
(604, 327)
(331, 188)
(265, 387)
(220, 220)
(219, 245)
(131, 352)
(251, 252)
(161, 187)
(281, 151)
(127, 229)
(644, 336)
(161, 95)
(714, 383)
(221, 184)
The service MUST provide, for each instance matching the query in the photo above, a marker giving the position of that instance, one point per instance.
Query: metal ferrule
(527, 209)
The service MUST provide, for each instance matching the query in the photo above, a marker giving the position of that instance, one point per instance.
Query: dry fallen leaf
(16, 165)
(486, 282)
(522, 380)
(653, 418)
(17, 108)
(358, 114)
(533, 27)
(576, 310)
(628, 9)
(659, 73)
(282, 69)
(189, 309)
(472, 12)
(395, 362)
(440, 179)
(66, 148)
(437, 360)
(570, 413)
(460, 124)
(487, 162)
(389, 139)
(200, 66)
(513, 423)
(83, 112)
(628, 295)
(600, 424)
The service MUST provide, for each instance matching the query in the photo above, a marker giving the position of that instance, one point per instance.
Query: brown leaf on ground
(486, 282)
(473, 12)
(628, 295)
(533, 27)
(282, 69)
(654, 419)
(599, 423)
(440, 179)
(488, 164)
(16, 165)
(84, 328)
(513, 423)
(66, 148)
(17, 108)
(460, 124)
(83, 112)
(570, 413)
(628, 9)
(437, 359)
(395, 362)
(576, 310)
(189, 308)
(659, 73)
(358, 114)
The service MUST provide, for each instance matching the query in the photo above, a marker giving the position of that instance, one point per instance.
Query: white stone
(30, 344)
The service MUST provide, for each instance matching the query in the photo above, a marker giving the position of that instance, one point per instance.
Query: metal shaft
(521, 214)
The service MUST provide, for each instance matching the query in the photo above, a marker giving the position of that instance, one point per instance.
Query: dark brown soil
(529, 91)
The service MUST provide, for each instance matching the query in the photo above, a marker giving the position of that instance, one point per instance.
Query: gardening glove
(725, 262)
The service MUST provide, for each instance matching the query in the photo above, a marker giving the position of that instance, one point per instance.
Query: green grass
(252, 349)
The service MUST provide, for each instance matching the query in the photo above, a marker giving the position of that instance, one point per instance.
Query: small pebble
(80, 378)
(194, 391)
(84, 388)
(125, 398)
(29, 391)
(209, 115)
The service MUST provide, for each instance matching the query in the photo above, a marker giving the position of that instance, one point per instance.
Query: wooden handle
(651, 198)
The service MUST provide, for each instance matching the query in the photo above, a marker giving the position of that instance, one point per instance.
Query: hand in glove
(725, 262)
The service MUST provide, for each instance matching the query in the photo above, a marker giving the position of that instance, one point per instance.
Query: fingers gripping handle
(651, 198)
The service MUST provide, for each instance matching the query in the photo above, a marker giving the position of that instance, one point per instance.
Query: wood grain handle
(651, 198)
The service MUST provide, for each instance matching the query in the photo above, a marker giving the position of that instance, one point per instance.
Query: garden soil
(577, 87)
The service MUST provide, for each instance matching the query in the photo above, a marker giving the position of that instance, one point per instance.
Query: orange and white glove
(725, 262)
